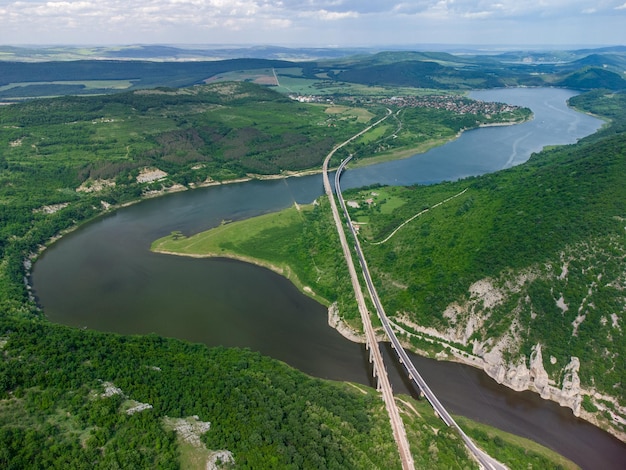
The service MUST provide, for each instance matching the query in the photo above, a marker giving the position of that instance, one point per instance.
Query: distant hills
(164, 52)
(588, 78)
(144, 73)
(53, 71)
(173, 53)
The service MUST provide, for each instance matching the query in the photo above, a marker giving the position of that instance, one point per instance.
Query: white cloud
(478, 14)
(450, 9)
(326, 15)
(49, 21)
(282, 23)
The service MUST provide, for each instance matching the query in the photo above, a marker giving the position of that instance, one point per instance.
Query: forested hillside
(28, 73)
(65, 160)
(523, 269)
(520, 272)
(72, 397)
(83, 399)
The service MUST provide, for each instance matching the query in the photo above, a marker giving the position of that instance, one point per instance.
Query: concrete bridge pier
(375, 371)
(420, 392)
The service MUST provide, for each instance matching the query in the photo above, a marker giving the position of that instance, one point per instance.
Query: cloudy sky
(314, 22)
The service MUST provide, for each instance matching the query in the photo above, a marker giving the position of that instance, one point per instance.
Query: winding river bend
(104, 277)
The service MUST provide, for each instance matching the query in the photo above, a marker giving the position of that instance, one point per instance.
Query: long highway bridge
(380, 372)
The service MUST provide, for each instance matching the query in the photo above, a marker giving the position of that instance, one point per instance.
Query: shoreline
(397, 155)
(336, 322)
(344, 329)
(286, 272)
(401, 154)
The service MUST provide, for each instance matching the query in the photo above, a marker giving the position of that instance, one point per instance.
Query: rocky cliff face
(335, 321)
(520, 376)
(535, 328)
(548, 303)
(500, 357)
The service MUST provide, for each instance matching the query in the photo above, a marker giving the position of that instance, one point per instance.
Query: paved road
(384, 386)
(484, 460)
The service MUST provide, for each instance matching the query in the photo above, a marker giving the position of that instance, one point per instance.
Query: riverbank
(106, 209)
(424, 147)
(532, 378)
(138, 226)
(518, 377)
(284, 271)
(460, 356)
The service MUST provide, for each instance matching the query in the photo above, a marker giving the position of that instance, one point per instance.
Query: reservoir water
(104, 277)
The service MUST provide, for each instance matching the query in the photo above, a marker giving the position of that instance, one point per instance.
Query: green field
(299, 242)
(350, 113)
(218, 240)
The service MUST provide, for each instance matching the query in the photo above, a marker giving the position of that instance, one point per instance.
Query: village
(455, 103)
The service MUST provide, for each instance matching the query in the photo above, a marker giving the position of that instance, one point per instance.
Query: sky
(318, 23)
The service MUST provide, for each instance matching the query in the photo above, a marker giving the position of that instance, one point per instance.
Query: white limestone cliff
(522, 372)
(534, 377)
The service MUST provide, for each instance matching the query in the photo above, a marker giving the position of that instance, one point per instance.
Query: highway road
(384, 386)
(484, 459)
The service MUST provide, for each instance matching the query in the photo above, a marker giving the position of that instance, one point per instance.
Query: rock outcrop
(500, 357)
(534, 377)
(335, 321)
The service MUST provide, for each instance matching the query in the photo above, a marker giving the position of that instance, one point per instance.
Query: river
(104, 277)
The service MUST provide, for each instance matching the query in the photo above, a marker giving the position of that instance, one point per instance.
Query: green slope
(546, 239)
(65, 396)
(52, 379)
(55, 410)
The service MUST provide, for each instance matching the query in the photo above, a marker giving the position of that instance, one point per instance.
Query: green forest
(68, 397)
(548, 235)
(56, 409)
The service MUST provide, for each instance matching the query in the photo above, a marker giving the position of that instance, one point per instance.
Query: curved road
(384, 386)
(484, 459)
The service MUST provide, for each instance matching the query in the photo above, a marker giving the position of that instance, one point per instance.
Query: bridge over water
(379, 371)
